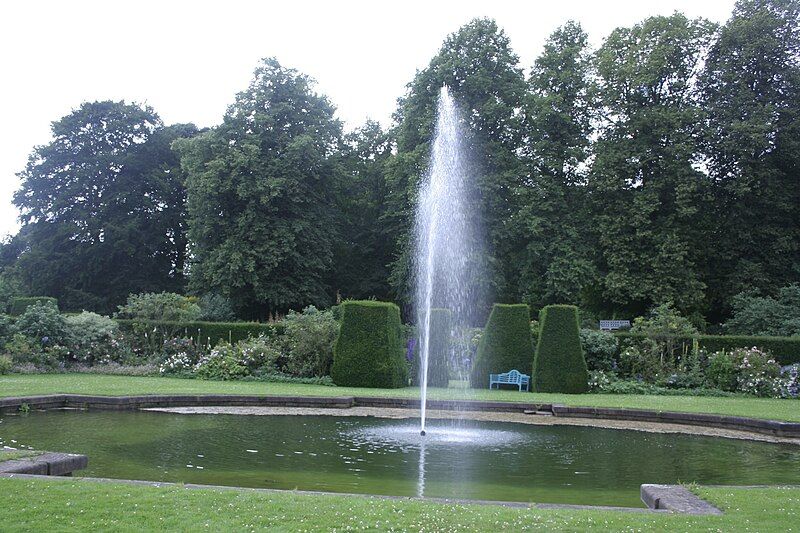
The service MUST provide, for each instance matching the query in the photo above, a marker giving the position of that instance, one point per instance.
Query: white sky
(188, 59)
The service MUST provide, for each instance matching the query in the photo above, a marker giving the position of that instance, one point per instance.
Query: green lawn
(8, 455)
(37, 384)
(76, 505)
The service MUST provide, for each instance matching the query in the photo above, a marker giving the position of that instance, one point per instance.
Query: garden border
(775, 428)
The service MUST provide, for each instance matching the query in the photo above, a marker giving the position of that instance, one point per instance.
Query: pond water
(477, 460)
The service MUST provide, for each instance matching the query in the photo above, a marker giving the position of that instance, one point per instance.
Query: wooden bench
(609, 325)
(513, 377)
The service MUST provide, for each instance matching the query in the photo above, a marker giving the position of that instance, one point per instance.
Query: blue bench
(513, 377)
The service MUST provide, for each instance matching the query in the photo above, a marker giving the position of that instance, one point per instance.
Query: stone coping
(759, 426)
(657, 498)
(46, 464)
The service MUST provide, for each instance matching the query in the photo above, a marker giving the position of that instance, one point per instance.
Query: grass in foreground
(75, 505)
(39, 384)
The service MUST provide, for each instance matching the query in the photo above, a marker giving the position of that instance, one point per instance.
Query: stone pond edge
(775, 428)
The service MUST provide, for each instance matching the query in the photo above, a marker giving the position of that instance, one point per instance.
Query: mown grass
(38, 384)
(9, 455)
(80, 505)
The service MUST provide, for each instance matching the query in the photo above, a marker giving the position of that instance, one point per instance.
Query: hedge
(369, 349)
(438, 355)
(559, 365)
(786, 350)
(506, 344)
(203, 332)
(20, 304)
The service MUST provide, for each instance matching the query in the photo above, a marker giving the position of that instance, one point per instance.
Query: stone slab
(47, 464)
(677, 499)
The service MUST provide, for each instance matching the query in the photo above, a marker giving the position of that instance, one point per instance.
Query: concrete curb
(46, 464)
(775, 428)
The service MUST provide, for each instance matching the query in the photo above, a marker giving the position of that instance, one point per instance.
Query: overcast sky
(188, 59)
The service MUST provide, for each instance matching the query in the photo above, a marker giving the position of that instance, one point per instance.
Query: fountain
(448, 249)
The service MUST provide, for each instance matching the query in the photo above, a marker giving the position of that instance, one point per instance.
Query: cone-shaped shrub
(369, 349)
(506, 344)
(438, 372)
(559, 365)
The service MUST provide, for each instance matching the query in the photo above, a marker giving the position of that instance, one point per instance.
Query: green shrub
(721, 372)
(20, 304)
(255, 354)
(161, 306)
(559, 365)
(6, 364)
(439, 352)
(41, 322)
(221, 364)
(92, 337)
(600, 348)
(7, 330)
(215, 308)
(757, 315)
(786, 350)
(506, 344)
(368, 351)
(308, 339)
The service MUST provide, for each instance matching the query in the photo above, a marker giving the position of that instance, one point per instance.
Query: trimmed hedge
(786, 350)
(506, 344)
(202, 332)
(369, 349)
(438, 371)
(559, 365)
(20, 304)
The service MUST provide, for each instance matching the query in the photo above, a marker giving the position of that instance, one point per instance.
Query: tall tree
(555, 254)
(364, 251)
(751, 89)
(261, 196)
(102, 208)
(482, 72)
(645, 188)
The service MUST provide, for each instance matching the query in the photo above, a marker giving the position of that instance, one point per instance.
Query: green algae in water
(480, 460)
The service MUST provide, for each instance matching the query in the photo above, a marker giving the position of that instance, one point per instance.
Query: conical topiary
(559, 365)
(439, 353)
(506, 344)
(369, 350)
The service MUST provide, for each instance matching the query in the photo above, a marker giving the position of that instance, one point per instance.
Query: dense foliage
(660, 167)
(506, 344)
(559, 365)
(369, 350)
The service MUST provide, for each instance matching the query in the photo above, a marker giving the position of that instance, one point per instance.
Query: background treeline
(661, 167)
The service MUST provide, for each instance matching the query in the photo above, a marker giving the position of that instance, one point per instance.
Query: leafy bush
(438, 353)
(664, 327)
(6, 329)
(758, 373)
(92, 337)
(178, 363)
(505, 344)
(757, 315)
(599, 348)
(722, 372)
(256, 354)
(6, 364)
(599, 380)
(26, 351)
(160, 306)
(642, 364)
(308, 339)
(368, 351)
(20, 304)
(215, 308)
(220, 364)
(791, 384)
(42, 322)
(559, 365)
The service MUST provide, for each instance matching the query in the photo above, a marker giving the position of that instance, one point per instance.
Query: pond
(477, 460)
